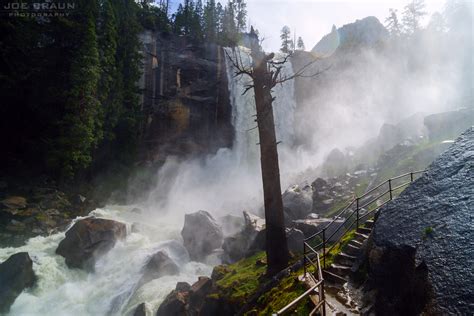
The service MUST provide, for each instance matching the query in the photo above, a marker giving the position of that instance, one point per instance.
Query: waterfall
(243, 105)
(226, 182)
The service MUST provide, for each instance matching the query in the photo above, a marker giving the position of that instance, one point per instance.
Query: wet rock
(174, 304)
(185, 299)
(14, 202)
(297, 201)
(88, 239)
(16, 274)
(198, 293)
(294, 238)
(158, 265)
(219, 271)
(253, 223)
(237, 246)
(201, 235)
(140, 310)
(183, 286)
(231, 224)
(421, 258)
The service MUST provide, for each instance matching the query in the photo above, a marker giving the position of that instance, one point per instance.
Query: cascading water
(226, 182)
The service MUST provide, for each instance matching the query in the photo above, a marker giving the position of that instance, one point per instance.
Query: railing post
(304, 258)
(324, 247)
(411, 176)
(390, 188)
(323, 298)
(357, 213)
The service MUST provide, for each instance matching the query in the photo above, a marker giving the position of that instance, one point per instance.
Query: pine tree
(240, 15)
(300, 44)
(110, 105)
(392, 24)
(412, 14)
(229, 34)
(210, 21)
(286, 41)
(79, 134)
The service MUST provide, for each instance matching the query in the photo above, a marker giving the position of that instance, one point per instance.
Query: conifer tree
(412, 14)
(286, 41)
(79, 130)
(300, 44)
(392, 24)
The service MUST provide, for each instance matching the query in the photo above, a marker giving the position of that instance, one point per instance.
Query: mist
(359, 90)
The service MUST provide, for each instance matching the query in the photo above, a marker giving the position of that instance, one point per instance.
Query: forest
(71, 104)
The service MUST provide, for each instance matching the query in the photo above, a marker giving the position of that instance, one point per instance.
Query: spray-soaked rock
(16, 274)
(185, 299)
(237, 246)
(201, 235)
(422, 257)
(158, 265)
(298, 201)
(88, 239)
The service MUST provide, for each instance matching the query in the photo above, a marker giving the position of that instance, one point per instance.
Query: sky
(312, 19)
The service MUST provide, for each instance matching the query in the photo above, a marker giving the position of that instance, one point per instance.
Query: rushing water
(226, 182)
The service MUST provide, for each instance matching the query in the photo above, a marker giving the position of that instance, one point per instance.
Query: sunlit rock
(201, 235)
(422, 256)
(88, 239)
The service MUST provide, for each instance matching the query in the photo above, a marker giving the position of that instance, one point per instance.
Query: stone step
(345, 259)
(351, 250)
(360, 237)
(356, 243)
(369, 223)
(364, 230)
(334, 278)
(340, 270)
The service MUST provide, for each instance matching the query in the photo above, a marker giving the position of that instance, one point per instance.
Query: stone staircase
(338, 273)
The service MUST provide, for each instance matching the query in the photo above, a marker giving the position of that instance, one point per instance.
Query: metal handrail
(310, 252)
(322, 232)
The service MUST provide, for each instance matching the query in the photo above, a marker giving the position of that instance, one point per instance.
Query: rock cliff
(422, 254)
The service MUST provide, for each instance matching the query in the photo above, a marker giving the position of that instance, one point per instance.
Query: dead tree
(265, 73)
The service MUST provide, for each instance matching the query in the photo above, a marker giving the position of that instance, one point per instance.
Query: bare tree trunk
(276, 244)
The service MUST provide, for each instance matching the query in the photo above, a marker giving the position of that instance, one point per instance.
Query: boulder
(237, 246)
(198, 293)
(174, 304)
(186, 299)
(310, 227)
(294, 239)
(421, 257)
(14, 202)
(140, 310)
(201, 235)
(298, 201)
(231, 224)
(158, 265)
(89, 238)
(16, 274)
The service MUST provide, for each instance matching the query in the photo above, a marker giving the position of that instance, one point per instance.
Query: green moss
(243, 279)
(428, 232)
(339, 247)
(287, 290)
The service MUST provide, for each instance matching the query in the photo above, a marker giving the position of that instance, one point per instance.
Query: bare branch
(240, 69)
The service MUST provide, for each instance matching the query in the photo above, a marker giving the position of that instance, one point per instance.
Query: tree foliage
(413, 12)
(286, 41)
(300, 44)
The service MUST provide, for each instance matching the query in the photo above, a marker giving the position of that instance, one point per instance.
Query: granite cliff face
(422, 253)
(185, 97)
